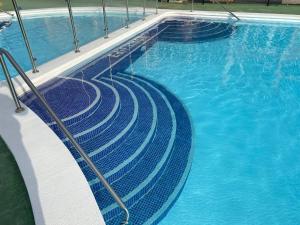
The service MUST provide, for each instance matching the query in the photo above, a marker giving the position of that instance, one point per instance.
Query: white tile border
(58, 190)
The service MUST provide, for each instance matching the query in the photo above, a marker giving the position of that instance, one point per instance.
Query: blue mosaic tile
(136, 132)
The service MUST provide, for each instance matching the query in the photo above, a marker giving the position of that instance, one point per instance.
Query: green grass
(15, 207)
(236, 7)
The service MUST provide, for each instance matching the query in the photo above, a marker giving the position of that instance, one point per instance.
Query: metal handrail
(20, 21)
(105, 19)
(144, 9)
(76, 41)
(230, 12)
(156, 7)
(8, 13)
(127, 14)
(59, 123)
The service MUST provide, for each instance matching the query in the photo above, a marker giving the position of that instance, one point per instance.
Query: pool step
(136, 132)
(150, 159)
(195, 31)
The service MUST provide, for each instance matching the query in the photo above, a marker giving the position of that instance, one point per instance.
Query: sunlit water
(51, 36)
(243, 96)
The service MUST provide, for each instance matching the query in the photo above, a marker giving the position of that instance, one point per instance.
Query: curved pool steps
(136, 132)
(195, 31)
(141, 162)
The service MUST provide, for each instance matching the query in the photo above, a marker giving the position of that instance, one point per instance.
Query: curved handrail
(58, 122)
(8, 13)
(231, 13)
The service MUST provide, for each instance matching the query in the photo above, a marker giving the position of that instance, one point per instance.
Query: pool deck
(57, 188)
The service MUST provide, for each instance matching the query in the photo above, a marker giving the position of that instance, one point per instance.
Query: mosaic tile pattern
(137, 133)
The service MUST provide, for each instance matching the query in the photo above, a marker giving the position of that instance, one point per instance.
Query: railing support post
(156, 7)
(76, 42)
(8, 13)
(105, 19)
(144, 9)
(11, 86)
(20, 21)
(192, 6)
(127, 14)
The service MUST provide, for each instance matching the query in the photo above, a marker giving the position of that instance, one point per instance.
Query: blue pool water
(51, 36)
(243, 96)
(232, 88)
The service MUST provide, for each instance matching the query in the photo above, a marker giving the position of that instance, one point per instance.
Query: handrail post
(156, 7)
(8, 13)
(192, 6)
(67, 133)
(127, 14)
(105, 19)
(231, 13)
(11, 86)
(76, 45)
(20, 21)
(144, 9)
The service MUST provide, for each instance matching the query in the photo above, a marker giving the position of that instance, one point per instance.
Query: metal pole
(11, 86)
(61, 125)
(105, 20)
(156, 7)
(231, 13)
(144, 10)
(127, 15)
(8, 13)
(20, 21)
(192, 6)
(73, 26)
(268, 2)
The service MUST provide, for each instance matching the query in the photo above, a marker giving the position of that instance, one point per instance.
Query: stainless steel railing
(127, 14)
(75, 39)
(144, 9)
(105, 19)
(8, 13)
(20, 21)
(226, 9)
(59, 123)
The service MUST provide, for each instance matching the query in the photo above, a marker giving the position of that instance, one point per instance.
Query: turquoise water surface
(51, 37)
(243, 96)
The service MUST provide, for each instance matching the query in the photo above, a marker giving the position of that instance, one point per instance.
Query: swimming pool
(238, 85)
(50, 36)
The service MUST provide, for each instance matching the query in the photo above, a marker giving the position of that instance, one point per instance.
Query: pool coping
(45, 176)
